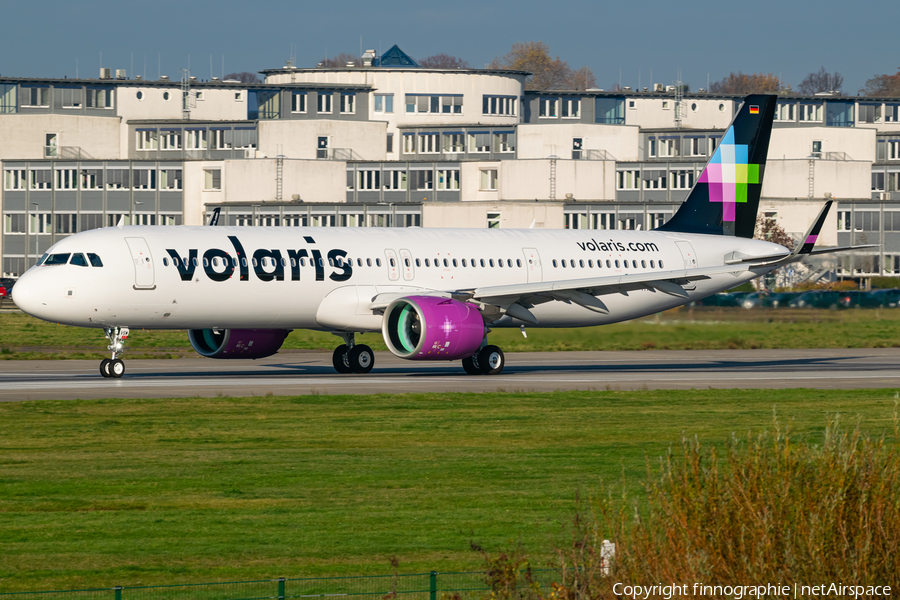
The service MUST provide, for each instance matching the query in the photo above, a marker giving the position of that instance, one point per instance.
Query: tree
(547, 73)
(769, 230)
(443, 61)
(739, 83)
(244, 77)
(821, 81)
(340, 61)
(882, 85)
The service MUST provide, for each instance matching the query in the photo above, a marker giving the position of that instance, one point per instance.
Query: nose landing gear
(352, 358)
(114, 367)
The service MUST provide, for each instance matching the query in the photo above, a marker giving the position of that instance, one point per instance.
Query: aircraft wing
(516, 299)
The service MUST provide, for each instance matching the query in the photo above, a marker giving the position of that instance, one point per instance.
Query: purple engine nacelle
(432, 328)
(237, 343)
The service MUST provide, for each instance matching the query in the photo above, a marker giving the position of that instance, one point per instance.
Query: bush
(767, 511)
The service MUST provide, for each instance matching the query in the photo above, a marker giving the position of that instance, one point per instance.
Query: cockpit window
(79, 260)
(41, 260)
(95, 260)
(57, 259)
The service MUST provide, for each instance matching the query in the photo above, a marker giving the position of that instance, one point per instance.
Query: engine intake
(432, 328)
(237, 343)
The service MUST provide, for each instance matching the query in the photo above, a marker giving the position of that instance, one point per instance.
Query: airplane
(434, 294)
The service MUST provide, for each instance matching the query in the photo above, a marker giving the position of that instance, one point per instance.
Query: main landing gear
(489, 360)
(114, 367)
(351, 357)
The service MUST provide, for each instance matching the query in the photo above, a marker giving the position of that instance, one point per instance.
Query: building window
(348, 103)
(505, 142)
(571, 108)
(434, 104)
(493, 222)
(870, 113)
(98, 98)
(480, 142)
(92, 179)
(170, 179)
(697, 146)
(454, 143)
(610, 111)
(681, 180)
(839, 114)
(368, 180)
(262, 104)
(423, 180)
(196, 139)
(245, 137)
(627, 180)
(71, 97)
(144, 179)
(409, 143)
(893, 150)
(40, 223)
(429, 143)
(51, 145)
(36, 96)
(41, 179)
(395, 180)
(389, 147)
(665, 105)
(576, 220)
(384, 103)
(146, 139)
(14, 223)
(668, 147)
(811, 113)
(604, 221)
(298, 102)
(651, 147)
(220, 139)
(488, 180)
(67, 179)
(66, 223)
(212, 179)
(118, 179)
(8, 98)
(448, 179)
(549, 108)
(14, 179)
(654, 179)
(170, 139)
(499, 105)
(892, 113)
(713, 144)
(843, 220)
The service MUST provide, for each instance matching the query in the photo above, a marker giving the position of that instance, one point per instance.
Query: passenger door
(143, 263)
(392, 266)
(406, 264)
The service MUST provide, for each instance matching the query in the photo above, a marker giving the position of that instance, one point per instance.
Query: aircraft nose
(30, 294)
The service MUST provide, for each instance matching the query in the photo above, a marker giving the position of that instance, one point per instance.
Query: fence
(417, 586)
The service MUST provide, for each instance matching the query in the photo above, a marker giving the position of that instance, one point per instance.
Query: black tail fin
(725, 198)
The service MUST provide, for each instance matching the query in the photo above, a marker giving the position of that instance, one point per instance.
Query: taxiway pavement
(307, 372)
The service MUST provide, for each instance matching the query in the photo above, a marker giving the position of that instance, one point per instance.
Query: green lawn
(24, 337)
(130, 492)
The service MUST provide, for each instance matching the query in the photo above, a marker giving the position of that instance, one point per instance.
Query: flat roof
(392, 68)
(227, 84)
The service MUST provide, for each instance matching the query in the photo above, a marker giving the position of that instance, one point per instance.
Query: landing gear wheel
(491, 360)
(116, 368)
(361, 358)
(104, 367)
(470, 366)
(340, 360)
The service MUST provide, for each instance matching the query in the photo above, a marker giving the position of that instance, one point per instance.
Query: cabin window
(78, 259)
(590, 264)
(617, 264)
(393, 263)
(473, 262)
(519, 262)
(482, 262)
(377, 262)
(165, 262)
(427, 262)
(563, 263)
(661, 265)
(643, 264)
(652, 265)
(95, 260)
(446, 263)
(454, 262)
(321, 263)
(368, 262)
(418, 263)
(57, 259)
(195, 262)
(491, 261)
(608, 265)
(554, 263)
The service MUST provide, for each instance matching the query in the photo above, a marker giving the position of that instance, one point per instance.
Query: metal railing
(416, 586)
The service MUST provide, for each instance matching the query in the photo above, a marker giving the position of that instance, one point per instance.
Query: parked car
(851, 299)
(729, 299)
(3, 292)
(766, 300)
(881, 299)
(817, 299)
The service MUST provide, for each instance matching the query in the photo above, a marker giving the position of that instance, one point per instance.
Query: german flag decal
(754, 110)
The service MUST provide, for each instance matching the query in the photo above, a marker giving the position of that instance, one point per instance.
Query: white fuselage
(149, 278)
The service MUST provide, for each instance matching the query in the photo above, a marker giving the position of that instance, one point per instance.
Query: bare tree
(443, 61)
(244, 77)
(739, 83)
(340, 61)
(821, 81)
(769, 230)
(882, 85)
(547, 73)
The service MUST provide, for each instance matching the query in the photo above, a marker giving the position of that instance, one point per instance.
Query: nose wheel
(114, 367)
(351, 357)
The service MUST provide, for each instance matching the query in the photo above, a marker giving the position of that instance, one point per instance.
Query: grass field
(24, 337)
(129, 492)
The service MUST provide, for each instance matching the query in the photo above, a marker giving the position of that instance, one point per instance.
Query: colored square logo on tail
(728, 174)
(754, 110)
